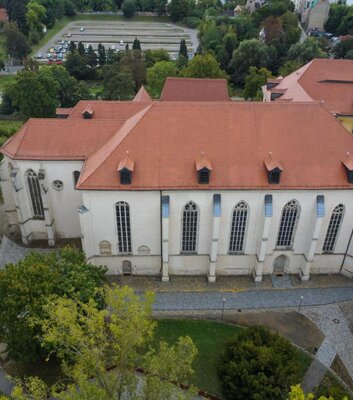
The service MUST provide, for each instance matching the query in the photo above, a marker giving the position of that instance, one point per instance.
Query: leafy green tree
(157, 75)
(342, 48)
(100, 5)
(289, 67)
(160, 6)
(89, 341)
(306, 51)
(178, 9)
(16, 10)
(136, 45)
(102, 56)
(134, 62)
(81, 49)
(258, 365)
(183, 51)
(250, 53)
(337, 18)
(16, 43)
(91, 57)
(204, 66)
(118, 83)
(297, 393)
(77, 66)
(256, 78)
(153, 56)
(72, 46)
(128, 8)
(26, 286)
(35, 16)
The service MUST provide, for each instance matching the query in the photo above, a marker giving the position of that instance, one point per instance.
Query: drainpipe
(345, 254)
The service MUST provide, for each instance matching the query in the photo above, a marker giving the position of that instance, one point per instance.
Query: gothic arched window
(290, 214)
(333, 228)
(123, 226)
(237, 233)
(35, 194)
(190, 223)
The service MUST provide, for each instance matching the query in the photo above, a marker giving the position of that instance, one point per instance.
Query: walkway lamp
(224, 303)
(300, 304)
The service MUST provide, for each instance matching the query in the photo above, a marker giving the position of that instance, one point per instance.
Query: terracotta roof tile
(142, 96)
(203, 162)
(63, 111)
(348, 162)
(126, 163)
(271, 163)
(237, 136)
(193, 89)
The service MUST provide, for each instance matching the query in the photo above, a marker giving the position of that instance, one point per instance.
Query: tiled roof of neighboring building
(3, 15)
(193, 89)
(327, 80)
(63, 111)
(164, 139)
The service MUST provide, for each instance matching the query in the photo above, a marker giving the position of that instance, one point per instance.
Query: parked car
(49, 55)
(121, 42)
(82, 29)
(58, 62)
(68, 34)
(39, 55)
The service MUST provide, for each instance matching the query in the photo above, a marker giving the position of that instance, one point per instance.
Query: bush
(258, 365)
(192, 22)
(128, 8)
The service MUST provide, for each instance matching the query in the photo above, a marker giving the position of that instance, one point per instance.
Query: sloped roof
(166, 138)
(194, 89)
(142, 96)
(59, 139)
(327, 80)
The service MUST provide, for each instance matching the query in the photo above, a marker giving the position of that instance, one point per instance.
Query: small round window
(58, 185)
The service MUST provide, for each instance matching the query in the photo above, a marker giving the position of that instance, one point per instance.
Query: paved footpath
(252, 299)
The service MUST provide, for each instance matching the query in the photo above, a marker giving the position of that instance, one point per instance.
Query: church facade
(211, 188)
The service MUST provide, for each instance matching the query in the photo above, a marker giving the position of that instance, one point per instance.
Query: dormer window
(88, 113)
(204, 176)
(203, 168)
(348, 165)
(125, 169)
(125, 176)
(274, 170)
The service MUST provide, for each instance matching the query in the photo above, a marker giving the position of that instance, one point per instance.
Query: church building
(188, 187)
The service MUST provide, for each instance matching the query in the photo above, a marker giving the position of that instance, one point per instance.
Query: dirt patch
(340, 369)
(347, 310)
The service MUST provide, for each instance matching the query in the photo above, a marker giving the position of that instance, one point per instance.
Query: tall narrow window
(123, 225)
(34, 192)
(333, 228)
(76, 175)
(237, 234)
(190, 221)
(287, 226)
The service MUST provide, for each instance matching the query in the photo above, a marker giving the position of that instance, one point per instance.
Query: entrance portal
(280, 265)
(127, 267)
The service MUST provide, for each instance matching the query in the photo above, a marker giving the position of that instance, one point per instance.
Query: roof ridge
(110, 145)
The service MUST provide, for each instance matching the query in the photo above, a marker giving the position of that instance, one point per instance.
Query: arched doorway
(280, 265)
(127, 267)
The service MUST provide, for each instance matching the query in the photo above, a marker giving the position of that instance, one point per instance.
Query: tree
(26, 286)
(136, 45)
(89, 340)
(134, 62)
(35, 16)
(77, 66)
(160, 6)
(16, 43)
(204, 66)
(297, 393)
(118, 83)
(72, 46)
(342, 48)
(153, 56)
(16, 10)
(256, 78)
(157, 75)
(128, 8)
(183, 51)
(178, 9)
(91, 57)
(250, 53)
(258, 365)
(81, 49)
(102, 57)
(289, 67)
(306, 51)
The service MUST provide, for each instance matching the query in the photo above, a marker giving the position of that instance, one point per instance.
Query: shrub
(258, 365)
(128, 8)
(192, 22)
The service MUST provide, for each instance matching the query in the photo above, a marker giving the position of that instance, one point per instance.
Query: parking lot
(116, 34)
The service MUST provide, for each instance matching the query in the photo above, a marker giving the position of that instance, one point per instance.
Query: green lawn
(210, 339)
(8, 128)
(66, 20)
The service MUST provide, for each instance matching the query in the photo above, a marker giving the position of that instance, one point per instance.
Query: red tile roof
(3, 15)
(203, 162)
(272, 164)
(165, 138)
(126, 163)
(63, 111)
(193, 89)
(348, 162)
(142, 96)
(327, 80)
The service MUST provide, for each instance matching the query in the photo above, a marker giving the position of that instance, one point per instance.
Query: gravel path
(250, 299)
(313, 377)
(333, 324)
